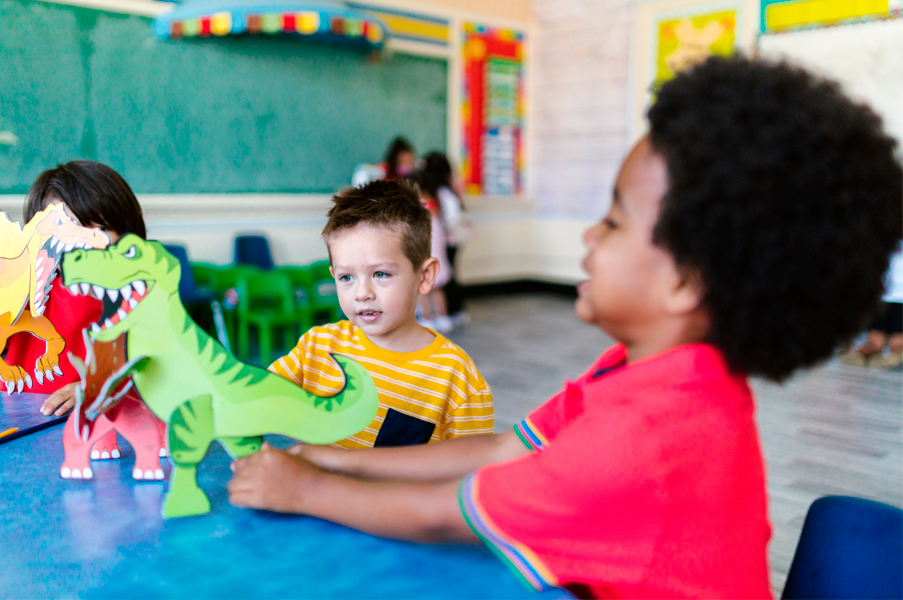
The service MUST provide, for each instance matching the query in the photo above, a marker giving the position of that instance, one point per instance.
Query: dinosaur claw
(20, 385)
(48, 374)
(66, 473)
(158, 474)
(115, 453)
(28, 381)
(39, 375)
(137, 473)
(163, 453)
(95, 455)
(57, 370)
(10, 386)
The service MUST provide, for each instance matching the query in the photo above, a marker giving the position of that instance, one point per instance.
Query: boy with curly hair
(748, 235)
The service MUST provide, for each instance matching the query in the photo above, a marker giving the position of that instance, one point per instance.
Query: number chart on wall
(492, 111)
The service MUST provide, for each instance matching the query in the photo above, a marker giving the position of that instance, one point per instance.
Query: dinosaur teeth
(121, 314)
(107, 324)
(85, 288)
(73, 289)
(68, 247)
(113, 294)
(98, 291)
(133, 303)
(95, 327)
(139, 286)
(126, 291)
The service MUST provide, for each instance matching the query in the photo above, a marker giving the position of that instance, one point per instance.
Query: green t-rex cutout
(189, 380)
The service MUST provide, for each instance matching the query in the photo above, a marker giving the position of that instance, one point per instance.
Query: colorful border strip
(517, 556)
(410, 26)
(530, 436)
(794, 15)
(304, 23)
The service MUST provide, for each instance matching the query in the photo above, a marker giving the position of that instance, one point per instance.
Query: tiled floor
(832, 430)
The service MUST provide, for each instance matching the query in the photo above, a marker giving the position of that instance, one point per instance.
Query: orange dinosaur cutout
(29, 259)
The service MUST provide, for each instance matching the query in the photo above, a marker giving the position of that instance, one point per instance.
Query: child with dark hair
(457, 227)
(748, 235)
(399, 162)
(378, 238)
(97, 197)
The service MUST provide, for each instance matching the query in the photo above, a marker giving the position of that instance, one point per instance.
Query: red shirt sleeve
(588, 507)
(544, 424)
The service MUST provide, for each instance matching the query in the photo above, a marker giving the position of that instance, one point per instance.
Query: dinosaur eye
(131, 252)
(59, 221)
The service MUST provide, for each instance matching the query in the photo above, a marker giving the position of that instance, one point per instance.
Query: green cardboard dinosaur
(189, 380)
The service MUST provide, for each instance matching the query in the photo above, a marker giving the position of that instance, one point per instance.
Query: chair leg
(243, 349)
(266, 345)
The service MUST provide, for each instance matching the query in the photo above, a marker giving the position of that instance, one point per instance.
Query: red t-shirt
(70, 314)
(647, 481)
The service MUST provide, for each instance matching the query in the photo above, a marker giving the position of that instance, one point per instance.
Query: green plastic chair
(266, 302)
(205, 274)
(221, 280)
(302, 281)
(323, 297)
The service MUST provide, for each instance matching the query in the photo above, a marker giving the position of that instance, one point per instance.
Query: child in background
(457, 229)
(886, 330)
(644, 478)
(97, 197)
(429, 389)
(433, 307)
(399, 162)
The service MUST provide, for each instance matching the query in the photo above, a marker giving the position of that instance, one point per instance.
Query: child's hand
(60, 402)
(273, 480)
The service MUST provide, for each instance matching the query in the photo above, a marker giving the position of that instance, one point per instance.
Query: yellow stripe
(810, 12)
(401, 25)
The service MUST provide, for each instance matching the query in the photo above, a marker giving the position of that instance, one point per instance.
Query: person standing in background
(399, 162)
(457, 228)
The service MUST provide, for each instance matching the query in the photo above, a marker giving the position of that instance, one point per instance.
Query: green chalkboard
(240, 114)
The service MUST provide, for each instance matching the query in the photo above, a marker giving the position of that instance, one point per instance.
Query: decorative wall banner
(410, 26)
(492, 110)
(671, 35)
(792, 15)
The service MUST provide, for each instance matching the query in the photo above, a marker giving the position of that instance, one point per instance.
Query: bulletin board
(492, 110)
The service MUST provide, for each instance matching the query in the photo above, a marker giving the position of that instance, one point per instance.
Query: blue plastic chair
(849, 548)
(189, 291)
(253, 250)
(193, 295)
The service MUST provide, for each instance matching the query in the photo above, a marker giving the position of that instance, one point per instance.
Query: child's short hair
(94, 193)
(392, 204)
(784, 198)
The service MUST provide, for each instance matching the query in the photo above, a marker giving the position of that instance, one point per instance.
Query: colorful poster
(492, 111)
(671, 35)
(687, 40)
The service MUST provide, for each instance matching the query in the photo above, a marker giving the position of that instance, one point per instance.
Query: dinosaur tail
(294, 412)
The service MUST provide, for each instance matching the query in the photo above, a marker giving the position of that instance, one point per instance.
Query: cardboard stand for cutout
(105, 397)
(29, 257)
(187, 379)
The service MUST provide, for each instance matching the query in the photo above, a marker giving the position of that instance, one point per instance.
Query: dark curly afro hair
(785, 198)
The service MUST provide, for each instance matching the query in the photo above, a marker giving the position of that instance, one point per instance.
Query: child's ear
(331, 272)
(428, 273)
(686, 294)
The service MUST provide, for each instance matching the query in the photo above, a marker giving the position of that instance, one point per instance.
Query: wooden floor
(832, 430)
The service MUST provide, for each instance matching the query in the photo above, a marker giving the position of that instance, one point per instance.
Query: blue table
(105, 538)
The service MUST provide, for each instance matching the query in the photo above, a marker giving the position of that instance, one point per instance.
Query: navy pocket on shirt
(400, 429)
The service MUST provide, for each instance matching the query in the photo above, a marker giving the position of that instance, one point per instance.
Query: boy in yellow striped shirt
(429, 389)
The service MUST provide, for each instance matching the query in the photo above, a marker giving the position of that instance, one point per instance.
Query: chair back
(253, 250)
(265, 290)
(849, 548)
(188, 287)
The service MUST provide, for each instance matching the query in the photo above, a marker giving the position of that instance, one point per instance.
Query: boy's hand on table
(60, 402)
(272, 479)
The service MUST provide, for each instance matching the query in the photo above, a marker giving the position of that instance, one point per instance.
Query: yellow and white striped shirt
(425, 396)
